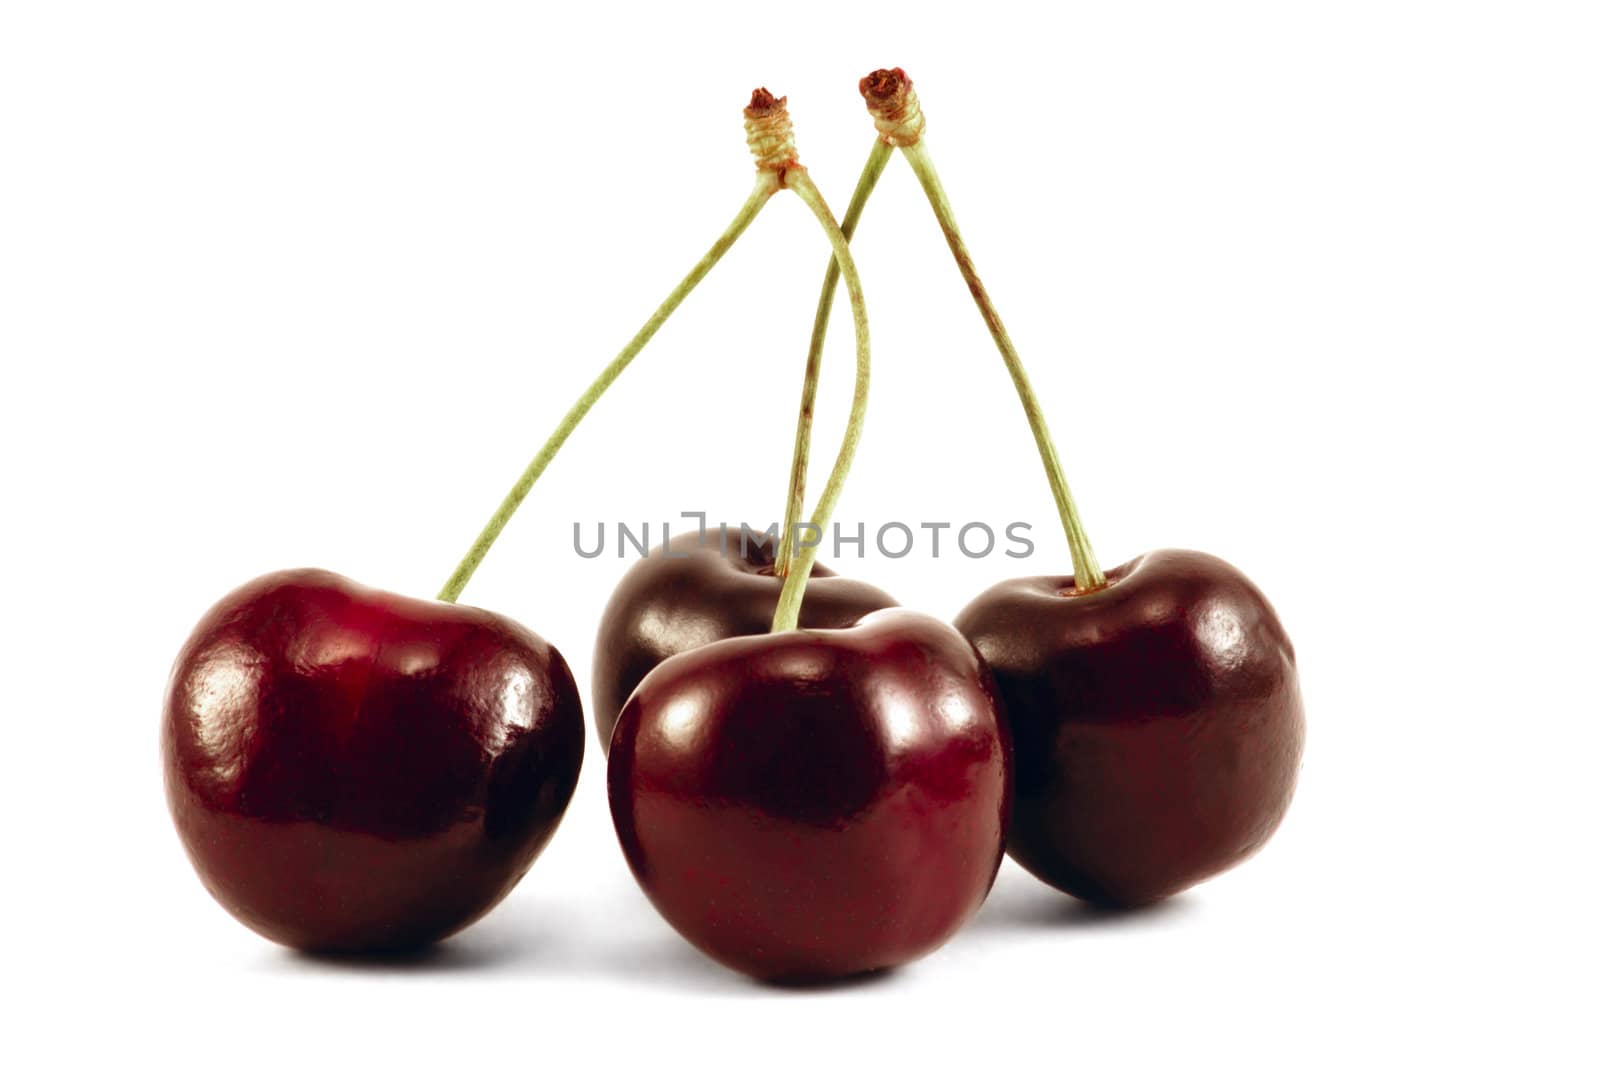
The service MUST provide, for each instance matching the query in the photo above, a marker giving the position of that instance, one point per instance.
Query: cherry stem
(897, 113)
(768, 182)
(1087, 574)
(870, 174)
(787, 616)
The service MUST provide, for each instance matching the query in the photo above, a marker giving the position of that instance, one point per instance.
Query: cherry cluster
(806, 780)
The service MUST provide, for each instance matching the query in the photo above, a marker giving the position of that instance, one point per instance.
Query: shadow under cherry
(1019, 902)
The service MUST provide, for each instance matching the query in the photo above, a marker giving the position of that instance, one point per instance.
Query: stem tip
(770, 133)
(894, 107)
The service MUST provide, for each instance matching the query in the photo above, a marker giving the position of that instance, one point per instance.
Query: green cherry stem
(768, 182)
(898, 116)
(876, 162)
(787, 616)
(1085, 568)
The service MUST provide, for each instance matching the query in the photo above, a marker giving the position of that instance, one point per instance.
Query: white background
(1309, 286)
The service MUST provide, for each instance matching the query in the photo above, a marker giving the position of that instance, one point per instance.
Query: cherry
(817, 803)
(351, 770)
(698, 589)
(814, 803)
(1157, 722)
(1155, 709)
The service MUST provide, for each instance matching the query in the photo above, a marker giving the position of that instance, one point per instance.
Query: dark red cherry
(708, 589)
(1157, 722)
(352, 770)
(814, 804)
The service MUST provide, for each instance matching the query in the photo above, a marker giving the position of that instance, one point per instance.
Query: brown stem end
(894, 107)
(770, 133)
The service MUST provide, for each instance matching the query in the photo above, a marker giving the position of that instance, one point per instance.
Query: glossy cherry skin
(355, 771)
(1157, 723)
(815, 804)
(706, 590)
